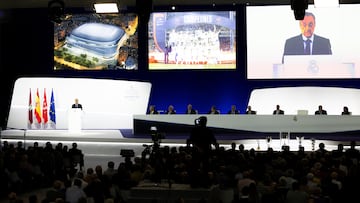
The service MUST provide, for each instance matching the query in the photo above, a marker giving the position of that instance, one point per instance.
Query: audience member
(297, 194)
(321, 149)
(80, 175)
(77, 157)
(110, 171)
(278, 111)
(352, 152)
(233, 110)
(338, 153)
(90, 175)
(190, 110)
(55, 192)
(74, 192)
(245, 181)
(320, 111)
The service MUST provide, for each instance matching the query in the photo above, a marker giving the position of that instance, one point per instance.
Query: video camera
(201, 121)
(127, 153)
(155, 135)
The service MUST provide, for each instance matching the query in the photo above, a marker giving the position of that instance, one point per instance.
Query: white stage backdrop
(107, 104)
(292, 99)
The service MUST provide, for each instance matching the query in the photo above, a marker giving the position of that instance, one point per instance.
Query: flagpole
(30, 111)
(0, 139)
(24, 138)
(52, 110)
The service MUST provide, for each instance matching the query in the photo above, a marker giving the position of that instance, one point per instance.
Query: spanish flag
(37, 107)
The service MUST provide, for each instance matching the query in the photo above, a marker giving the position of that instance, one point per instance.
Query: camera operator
(202, 139)
(153, 154)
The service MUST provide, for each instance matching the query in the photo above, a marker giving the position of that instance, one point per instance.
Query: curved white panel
(107, 104)
(292, 99)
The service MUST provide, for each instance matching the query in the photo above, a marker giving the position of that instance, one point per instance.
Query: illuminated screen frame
(268, 27)
(91, 41)
(190, 40)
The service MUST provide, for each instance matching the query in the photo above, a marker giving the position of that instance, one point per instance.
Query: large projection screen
(268, 27)
(192, 40)
(107, 104)
(93, 42)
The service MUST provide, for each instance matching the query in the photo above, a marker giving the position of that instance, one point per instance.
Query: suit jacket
(295, 46)
(215, 112)
(79, 106)
(193, 111)
(236, 112)
(323, 112)
(251, 112)
(281, 112)
(153, 112)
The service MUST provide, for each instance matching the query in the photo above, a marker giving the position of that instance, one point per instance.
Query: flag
(37, 107)
(52, 108)
(45, 108)
(30, 116)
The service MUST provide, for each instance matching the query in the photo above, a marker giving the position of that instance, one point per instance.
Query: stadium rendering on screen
(96, 42)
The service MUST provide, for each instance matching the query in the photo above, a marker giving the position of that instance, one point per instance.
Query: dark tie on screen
(307, 47)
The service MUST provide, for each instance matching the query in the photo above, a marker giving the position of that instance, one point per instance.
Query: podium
(75, 120)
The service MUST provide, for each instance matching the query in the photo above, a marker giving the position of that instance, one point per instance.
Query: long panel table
(182, 123)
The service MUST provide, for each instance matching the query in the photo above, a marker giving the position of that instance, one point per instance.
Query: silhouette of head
(201, 121)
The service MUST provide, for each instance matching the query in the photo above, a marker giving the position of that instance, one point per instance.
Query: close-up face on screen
(322, 45)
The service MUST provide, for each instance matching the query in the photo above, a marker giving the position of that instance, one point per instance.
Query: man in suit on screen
(307, 43)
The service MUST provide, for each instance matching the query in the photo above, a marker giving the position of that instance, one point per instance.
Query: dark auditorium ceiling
(9, 4)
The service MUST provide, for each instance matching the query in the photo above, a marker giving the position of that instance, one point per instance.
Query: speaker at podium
(75, 120)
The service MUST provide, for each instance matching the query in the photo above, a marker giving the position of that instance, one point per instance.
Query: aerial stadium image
(96, 42)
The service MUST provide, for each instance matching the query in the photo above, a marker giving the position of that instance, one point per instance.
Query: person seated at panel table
(76, 105)
(250, 111)
(345, 111)
(278, 111)
(152, 110)
(213, 110)
(190, 110)
(233, 110)
(170, 110)
(320, 111)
